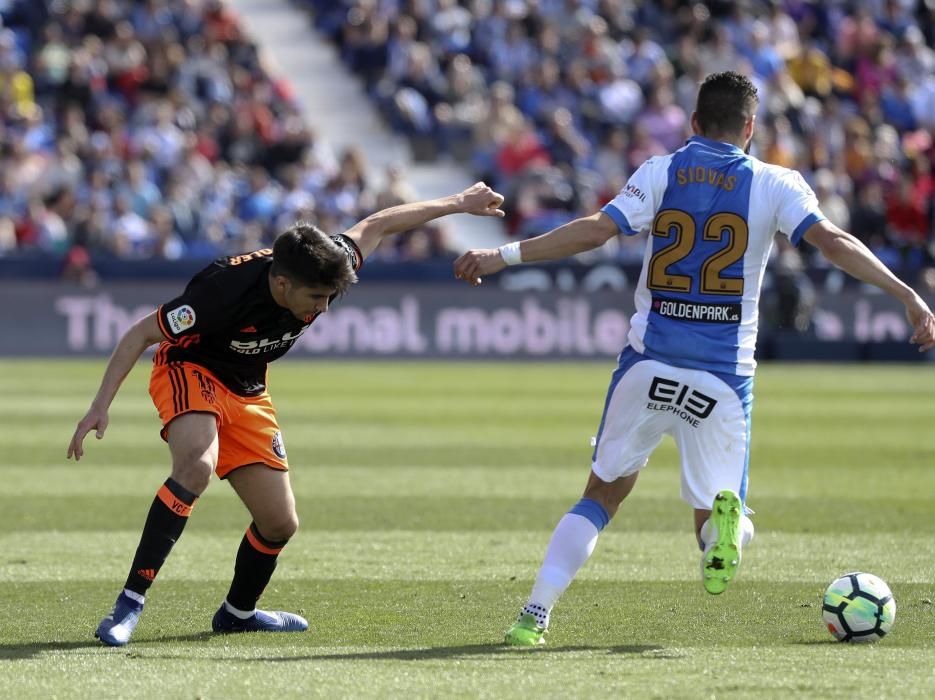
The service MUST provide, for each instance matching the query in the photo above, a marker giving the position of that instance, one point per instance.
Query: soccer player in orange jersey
(209, 385)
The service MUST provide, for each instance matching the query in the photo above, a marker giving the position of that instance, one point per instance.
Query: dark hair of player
(308, 257)
(725, 102)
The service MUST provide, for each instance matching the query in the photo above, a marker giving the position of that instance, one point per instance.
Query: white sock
(242, 614)
(572, 543)
(746, 530)
(709, 532)
(133, 595)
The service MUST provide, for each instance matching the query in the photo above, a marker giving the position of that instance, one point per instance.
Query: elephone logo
(279, 447)
(674, 397)
(181, 319)
(255, 347)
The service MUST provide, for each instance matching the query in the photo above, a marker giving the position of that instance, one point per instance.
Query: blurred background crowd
(151, 128)
(556, 102)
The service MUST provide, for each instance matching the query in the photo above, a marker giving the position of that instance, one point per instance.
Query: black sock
(164, 524)
(256, 561)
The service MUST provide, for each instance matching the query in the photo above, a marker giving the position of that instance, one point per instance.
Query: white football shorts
(708, 415)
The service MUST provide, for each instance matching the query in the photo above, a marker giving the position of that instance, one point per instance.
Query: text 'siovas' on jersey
(711, 211)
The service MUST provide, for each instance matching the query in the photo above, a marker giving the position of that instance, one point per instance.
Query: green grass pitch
(427, 494)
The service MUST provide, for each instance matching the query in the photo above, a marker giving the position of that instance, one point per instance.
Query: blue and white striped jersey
(711, 211)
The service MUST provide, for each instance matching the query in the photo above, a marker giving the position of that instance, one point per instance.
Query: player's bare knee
(193, 473)
(279, 529)
(610, 494)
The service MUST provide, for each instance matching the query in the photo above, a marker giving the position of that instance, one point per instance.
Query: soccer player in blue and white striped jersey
(687, 370)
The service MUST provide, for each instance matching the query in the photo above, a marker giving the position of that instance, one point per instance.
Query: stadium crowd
(151, 129)
(556, 102)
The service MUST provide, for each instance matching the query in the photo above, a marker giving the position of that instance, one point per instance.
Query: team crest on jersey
(206, 384)
(279, 447)
(181, 319)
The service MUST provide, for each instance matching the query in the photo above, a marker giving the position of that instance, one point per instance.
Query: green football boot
(722, 558)
(525, 632)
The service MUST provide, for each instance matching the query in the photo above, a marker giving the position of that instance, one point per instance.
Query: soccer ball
(858, 607)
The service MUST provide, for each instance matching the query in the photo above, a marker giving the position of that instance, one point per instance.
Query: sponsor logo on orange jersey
(255, 347)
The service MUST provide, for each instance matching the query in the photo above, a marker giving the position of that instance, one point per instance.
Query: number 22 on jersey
(727, 227)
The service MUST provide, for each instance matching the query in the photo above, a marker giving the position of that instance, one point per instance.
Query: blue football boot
(115, 629)
(261, 621)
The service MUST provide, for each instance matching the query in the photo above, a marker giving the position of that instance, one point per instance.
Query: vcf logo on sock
(173, 503)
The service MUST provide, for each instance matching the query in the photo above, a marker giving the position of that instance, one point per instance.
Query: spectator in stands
(868, 216)
(176, 86)
(830, 200)
(663, 120)
(628, 79)
(566, 144)
(907, 213)
(923, 101)
(522, 148)
(150, 128)
(395, 189)
(611, 163)
(464, 106)
(644, 56)
(48, 216)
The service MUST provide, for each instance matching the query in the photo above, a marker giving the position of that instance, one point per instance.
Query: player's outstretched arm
(140, 336)
(852, 256)
(478, 199)
(575, 237)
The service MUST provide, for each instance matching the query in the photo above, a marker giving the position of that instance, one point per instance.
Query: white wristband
(510, 253)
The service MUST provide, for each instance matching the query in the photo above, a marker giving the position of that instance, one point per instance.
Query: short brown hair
(725, 102)
(309, 257)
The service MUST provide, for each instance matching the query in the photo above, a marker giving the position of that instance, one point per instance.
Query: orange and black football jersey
(226, 320)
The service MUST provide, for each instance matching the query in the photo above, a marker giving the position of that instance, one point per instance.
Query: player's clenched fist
(923, 324)
(481, 200)
(474, 264)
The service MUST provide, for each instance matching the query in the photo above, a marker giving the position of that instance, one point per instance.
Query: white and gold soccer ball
(858, 607)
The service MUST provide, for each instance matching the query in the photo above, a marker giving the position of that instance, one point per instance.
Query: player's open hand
(95, 419)
(923, 324)
(480, 200)
(474, 264)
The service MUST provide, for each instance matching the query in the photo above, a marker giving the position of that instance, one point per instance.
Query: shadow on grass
(29, 650)
(432, 653)
(141, 649)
